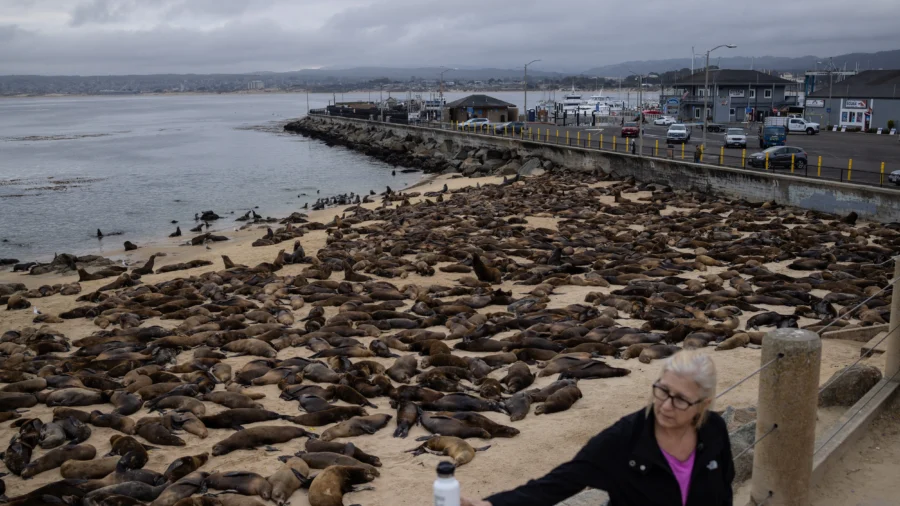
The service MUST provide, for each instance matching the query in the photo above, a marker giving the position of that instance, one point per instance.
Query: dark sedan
(515, 127)
(780, 156)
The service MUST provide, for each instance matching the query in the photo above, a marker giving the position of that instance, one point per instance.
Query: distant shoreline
(288, 92)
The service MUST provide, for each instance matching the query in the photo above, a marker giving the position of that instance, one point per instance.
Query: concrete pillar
(788, 398)
(892, 351)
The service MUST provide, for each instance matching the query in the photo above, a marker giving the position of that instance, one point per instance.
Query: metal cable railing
(862, 356)
(754, 373)
(752, 445)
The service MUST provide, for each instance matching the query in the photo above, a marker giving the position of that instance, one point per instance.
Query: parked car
(735, 137)
(793, 124)
(472, 123)
(515, 127)
(678, 133)
(664, 121)
(894, 177)
(630, 129)
(780, 156)
(772, 136)
(714, 127)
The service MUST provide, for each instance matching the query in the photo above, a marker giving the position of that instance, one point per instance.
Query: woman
(674, 452)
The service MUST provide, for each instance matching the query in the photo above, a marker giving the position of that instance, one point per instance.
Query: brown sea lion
(490, 388)
(540, 395)
(518, 377)
(317, 445)
(329, 486)
(445, 425)
(88, 469)
(403, 369)
(739, 340)
(125, 403)
(123, 445)
(357, 426)
(157, 433)
(458, 449)
(478, 420)
(231, 400)
(518, 406)
(55, 458)
(323, 460)
(462, 402)
(289, 477)
(178, 403)
(181, 467)
(328, 416)
(185, 487)
(560, 400)
(593, 370)
(483, 272)
(235, 418)
(242, 482)
(259, 436)
(407, 417)
(120, 423)
(656, 352)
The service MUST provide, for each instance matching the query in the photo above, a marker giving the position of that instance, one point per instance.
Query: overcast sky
(90, 37)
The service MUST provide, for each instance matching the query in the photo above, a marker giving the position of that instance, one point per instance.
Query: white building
(256, 85)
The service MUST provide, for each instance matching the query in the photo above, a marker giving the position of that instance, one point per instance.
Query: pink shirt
(682, 471)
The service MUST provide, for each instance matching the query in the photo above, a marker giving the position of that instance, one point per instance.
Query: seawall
(448, 151)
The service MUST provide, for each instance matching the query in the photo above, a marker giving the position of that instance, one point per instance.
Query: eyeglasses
(662, 393)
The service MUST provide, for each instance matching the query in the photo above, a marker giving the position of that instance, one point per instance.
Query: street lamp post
(441, 100)
(706, 93)
(526, 88)
(641, 108)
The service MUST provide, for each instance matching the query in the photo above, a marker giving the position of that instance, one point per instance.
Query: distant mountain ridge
(866, 61)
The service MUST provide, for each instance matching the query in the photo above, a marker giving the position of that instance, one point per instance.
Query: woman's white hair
(699, 368)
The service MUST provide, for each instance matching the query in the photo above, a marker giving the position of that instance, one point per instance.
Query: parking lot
(867, 151)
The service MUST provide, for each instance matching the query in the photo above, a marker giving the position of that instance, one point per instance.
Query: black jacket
(626, 462)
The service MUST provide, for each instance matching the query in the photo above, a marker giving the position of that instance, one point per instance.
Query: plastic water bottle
(446, 487)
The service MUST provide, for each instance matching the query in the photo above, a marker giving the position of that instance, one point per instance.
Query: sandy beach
(544, 442)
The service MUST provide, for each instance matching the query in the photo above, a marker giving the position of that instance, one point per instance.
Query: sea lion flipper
(237, 427)
(483, 448)
(271, 449)
(360, 488)
(349, 449)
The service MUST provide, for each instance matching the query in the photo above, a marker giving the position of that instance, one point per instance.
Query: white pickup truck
(793, 125)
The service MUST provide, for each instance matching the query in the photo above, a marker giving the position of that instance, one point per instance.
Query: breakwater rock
(423, 152)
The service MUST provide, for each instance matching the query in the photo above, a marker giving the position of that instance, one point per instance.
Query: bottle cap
(446, 468)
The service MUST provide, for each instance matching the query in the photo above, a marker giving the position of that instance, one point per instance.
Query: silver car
(678, 133)
(735, 137)
(894, 177)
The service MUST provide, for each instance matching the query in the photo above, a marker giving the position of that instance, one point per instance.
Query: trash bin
(531, 115)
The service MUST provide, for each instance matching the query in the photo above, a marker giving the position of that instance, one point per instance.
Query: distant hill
(866, 61)
(405, 73)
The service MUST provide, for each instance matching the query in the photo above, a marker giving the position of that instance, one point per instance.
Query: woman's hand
(473, 502)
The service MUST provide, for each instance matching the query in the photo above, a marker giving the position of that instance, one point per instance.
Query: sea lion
(518, 406)
(76, 397)
(350, 395)
(314, 403)
(133, 489)
(289, 477)
(739, 340)
(445, 425)
(55, 458)
(329, 486)
(259, 436)
(518, 377)
(181, 467)
(185, 487)
(357, 426)
(120, 423)
(540, 395)
(242, 482)
(403, 369)
(407, 417)
(75, 430)
(462, 402)
(483, 272)
(560, 400)
(88, 469)
(231, 400)
(458, 449)
(52, 435)
(125, 403)
(235, 418)
(317, 445)
(594, 370)
(127, 445)
(323, 460)
(657, 351)
(494, 429)
(17, 455)
(328, 416)
(157, 433)
(178, 403)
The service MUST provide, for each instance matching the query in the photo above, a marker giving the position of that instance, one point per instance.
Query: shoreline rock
(421, 152)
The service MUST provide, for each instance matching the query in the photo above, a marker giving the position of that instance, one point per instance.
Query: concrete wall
(871, 203)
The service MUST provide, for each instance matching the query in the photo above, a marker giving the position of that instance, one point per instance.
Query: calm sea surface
(69, 166)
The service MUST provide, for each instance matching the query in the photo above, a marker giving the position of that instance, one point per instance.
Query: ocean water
(132, 164)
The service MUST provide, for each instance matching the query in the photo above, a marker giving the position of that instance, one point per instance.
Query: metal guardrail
(813, 167)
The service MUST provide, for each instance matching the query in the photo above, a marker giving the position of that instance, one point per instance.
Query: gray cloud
(203, 36)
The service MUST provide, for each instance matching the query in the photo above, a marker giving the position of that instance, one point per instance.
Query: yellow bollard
(882, 173)
(557, 136)
(547, 136)
(539, 134)
(792, 163)
(589, 139)
(578, 138)
(567, 137)
(656, 149)
(767, 160)
(682, 150)
(601, 141)
(849, 169)
(614, 142)
(820, 167)
(743, 157)
(722, 155)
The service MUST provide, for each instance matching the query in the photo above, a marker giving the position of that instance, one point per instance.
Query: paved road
(868, 151)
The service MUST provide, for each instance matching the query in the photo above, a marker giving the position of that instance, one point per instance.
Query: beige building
(480, 106)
